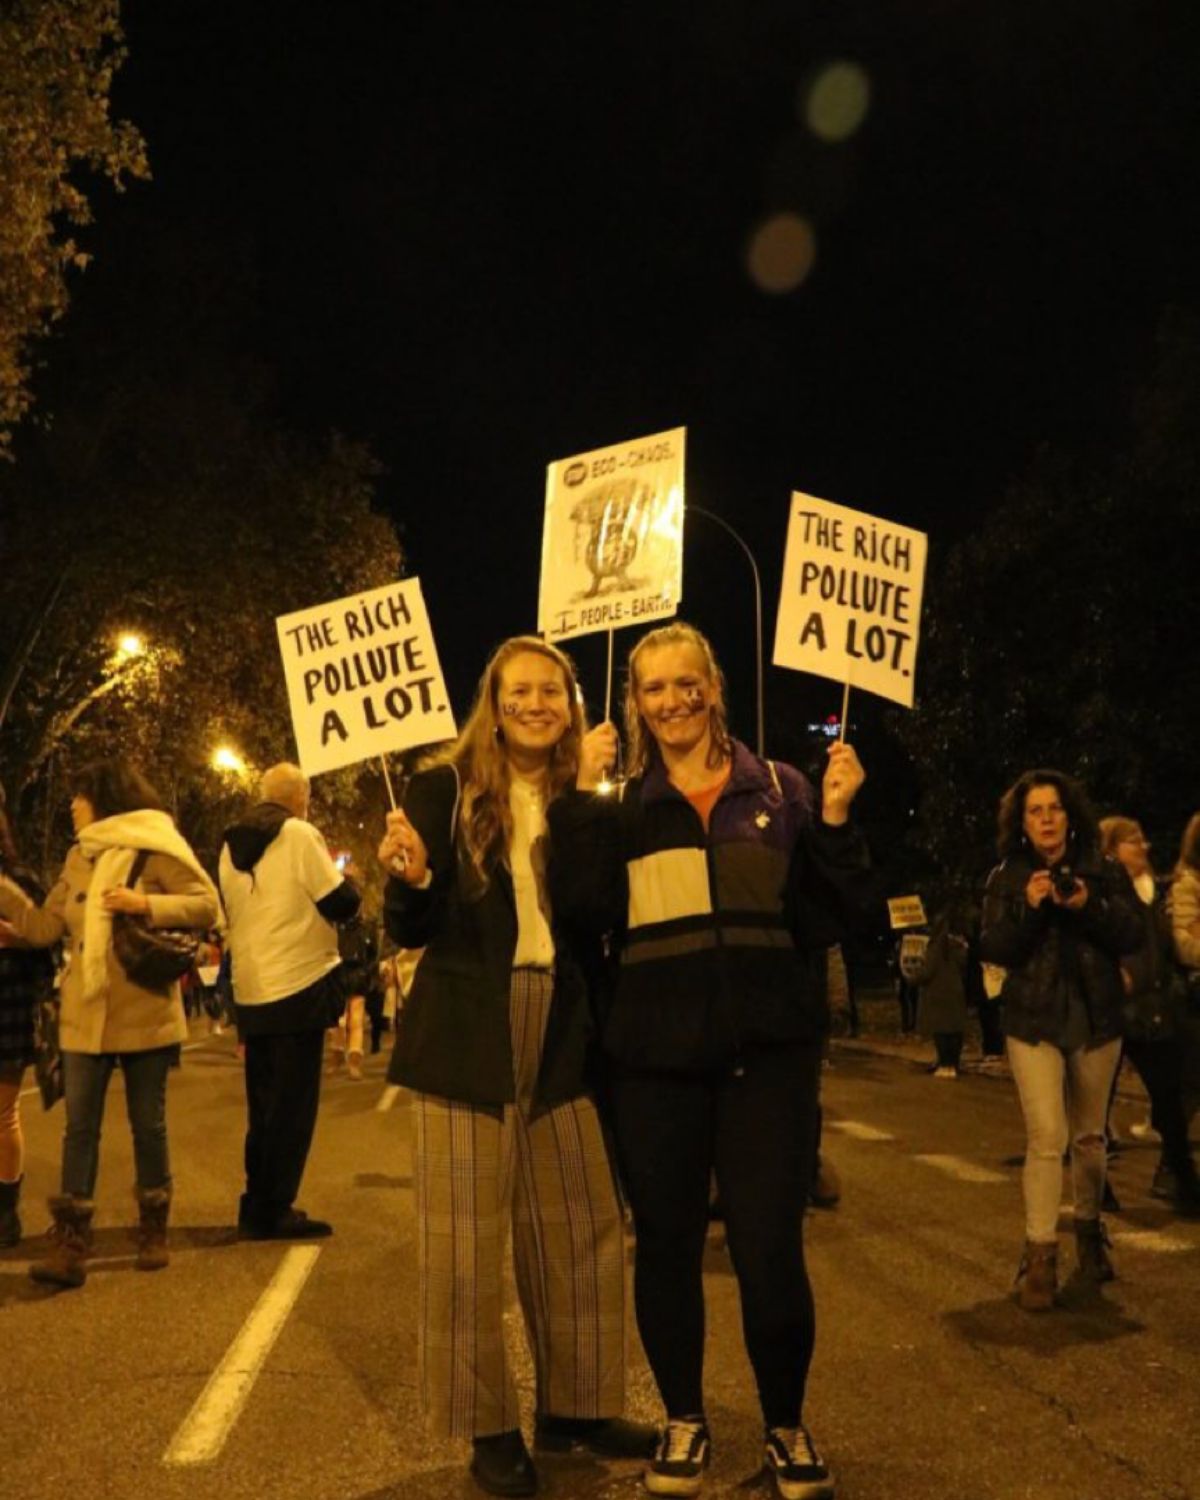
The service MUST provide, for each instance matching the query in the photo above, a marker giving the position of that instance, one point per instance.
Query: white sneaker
(800, 1471)
(680, 1460)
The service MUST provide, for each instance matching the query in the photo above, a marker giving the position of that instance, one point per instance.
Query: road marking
(964, 1171)
(1151, 1239)
(388, 1097)
(859, 1131)
(202, 1433)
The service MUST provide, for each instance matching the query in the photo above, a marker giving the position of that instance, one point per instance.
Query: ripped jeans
(1064, 1096)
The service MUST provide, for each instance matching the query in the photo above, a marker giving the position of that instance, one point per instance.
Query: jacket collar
(746, 774)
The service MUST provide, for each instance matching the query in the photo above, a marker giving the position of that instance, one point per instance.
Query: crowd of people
(621, 1000)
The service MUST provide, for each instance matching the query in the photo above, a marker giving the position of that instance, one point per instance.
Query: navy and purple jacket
(719, 936)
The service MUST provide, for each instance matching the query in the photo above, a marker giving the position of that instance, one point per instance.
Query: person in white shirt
(283, 898)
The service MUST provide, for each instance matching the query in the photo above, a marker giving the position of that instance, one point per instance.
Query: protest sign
(850, 606)
(612, 544)
(363, 677)
(906, 911)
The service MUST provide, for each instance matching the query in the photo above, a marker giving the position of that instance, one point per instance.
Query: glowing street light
(130, 645)
(225, 758)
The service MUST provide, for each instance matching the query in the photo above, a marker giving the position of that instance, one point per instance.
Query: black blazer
(455, 1039)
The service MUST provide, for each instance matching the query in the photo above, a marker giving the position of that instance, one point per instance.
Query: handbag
(155, 958)
(47, 1055)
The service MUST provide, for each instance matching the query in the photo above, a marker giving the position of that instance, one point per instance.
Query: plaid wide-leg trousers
(476, 1173)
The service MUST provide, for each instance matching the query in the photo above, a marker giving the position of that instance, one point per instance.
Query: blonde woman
(720, 885)
(1184, 900)
(494, 1046)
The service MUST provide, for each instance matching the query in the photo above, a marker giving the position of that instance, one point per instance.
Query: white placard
(850, 606)
(612, 545)
(906, 911)
(363, 677)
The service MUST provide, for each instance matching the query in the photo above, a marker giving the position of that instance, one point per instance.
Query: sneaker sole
(671, 1484)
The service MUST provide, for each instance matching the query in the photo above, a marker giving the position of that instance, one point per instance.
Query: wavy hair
(641, 744)
(1082, 832)
(485, 821)
(1189, 847)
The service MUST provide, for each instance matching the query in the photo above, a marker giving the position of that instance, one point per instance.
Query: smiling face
(674, 695)
(533, 706)
(1045, 822)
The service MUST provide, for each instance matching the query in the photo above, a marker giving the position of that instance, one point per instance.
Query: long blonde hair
(485, 821)
(638, 738)
(1189, 848)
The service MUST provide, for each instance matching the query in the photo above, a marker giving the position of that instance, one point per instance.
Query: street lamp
(699, 510)
(224, 758)
(129, 645)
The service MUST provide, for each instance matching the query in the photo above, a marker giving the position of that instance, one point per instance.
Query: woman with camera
(1058, 917)
(494, 1047)
(122, 834)
(719, 885)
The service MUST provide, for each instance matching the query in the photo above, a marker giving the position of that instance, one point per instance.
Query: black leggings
(1160, 1066)
(757, 1131)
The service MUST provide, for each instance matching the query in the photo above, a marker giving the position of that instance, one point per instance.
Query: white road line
(202, 1433)
(388, 1097)
(859, 1131)
(964, 1171)
(1151, 1239)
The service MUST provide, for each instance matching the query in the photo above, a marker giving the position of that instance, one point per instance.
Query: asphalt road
(928, 1382)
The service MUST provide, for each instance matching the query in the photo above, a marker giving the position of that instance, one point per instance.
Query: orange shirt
(705, 799)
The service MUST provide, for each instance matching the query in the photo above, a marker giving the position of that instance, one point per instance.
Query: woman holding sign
(494, 1046)
(720, 886)
(1058, 918)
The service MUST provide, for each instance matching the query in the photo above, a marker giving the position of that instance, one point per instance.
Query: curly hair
(640, 741)
(485, 824)
(1082, 831)
(115, 786)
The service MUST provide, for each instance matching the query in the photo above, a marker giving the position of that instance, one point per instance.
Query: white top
(528, 861)
(278, 941)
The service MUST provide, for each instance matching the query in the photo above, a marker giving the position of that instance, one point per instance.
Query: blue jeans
(85, 1084)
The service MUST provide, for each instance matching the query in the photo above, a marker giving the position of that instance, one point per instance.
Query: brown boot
(154, 1204)
(1093, 1244)
(70, 1238)
(1037, 1279)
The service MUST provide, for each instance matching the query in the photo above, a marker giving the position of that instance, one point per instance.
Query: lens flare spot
(835, 103)
(781, 254)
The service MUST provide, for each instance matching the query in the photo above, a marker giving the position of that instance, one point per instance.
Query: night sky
(488, 237)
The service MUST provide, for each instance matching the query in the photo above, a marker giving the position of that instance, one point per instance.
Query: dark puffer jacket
(1053, 954)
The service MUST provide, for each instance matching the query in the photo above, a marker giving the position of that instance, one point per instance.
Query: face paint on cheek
(694, 700)
(510, 710)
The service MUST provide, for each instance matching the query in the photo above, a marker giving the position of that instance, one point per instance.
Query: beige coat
(1183, 903)
(122, 1017)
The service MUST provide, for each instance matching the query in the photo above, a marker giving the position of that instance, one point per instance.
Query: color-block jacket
(719, 935)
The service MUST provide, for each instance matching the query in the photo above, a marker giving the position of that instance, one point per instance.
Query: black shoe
(292, 1225)
(501, 1465)
(799, 1470)
(606, 1437)
(680, 1459)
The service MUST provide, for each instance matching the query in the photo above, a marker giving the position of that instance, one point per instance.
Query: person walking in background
(940, 981)
(494, 1045)
(25, 975)
(1183, 906)
(1154, 1011)
(107, 1018)
(1059, 917)
(356, 945)
(718, 883)
(283, 898)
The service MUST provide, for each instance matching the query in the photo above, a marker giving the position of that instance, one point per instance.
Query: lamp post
(699, 510)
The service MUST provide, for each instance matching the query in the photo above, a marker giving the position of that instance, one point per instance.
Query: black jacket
(456, 1040)
(721, 934)
(1051, 951)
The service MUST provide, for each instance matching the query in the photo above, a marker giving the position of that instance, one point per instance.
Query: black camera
(1062, 877)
